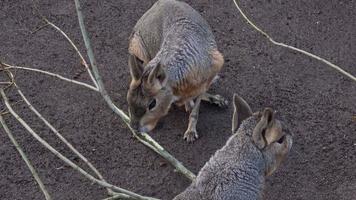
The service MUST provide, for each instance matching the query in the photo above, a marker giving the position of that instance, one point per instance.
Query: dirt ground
(316, 104)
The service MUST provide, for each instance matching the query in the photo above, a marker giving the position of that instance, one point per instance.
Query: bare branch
(119, 196)
(65, 141)
(3, 113)
(142, 137)
(293, 48)
(5, 83)
(76, 49)
(66, 160)
(39, 28)
(24, 157)
(51, 74)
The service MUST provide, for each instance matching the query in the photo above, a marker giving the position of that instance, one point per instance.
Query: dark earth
(316, 104)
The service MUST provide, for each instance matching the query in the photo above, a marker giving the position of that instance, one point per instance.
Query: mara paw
(190, 135)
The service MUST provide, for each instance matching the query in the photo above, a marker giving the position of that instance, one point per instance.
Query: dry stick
(24, 157)
(293, 48)
(65, 141)
(51, 74)
(66, 160)
(5, 83)
(4, 113)
(70, 146)
(119, 196)
(85, 160)
(39, 28)
(142, 137)
(13, 104)
(76, 49)
(68, 39)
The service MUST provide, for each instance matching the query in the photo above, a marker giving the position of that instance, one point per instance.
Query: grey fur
(177, 36)
(173, 39)
(237, 171)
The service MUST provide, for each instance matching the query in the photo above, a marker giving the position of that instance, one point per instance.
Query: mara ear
(156, 78)
(136, 67)
(263, 127)
(242, 111)
(157, 74)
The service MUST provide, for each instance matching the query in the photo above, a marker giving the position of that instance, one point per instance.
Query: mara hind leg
(215, 99)
(217, 63)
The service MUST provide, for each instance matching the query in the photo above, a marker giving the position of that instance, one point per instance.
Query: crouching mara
(173, 59)
(238, 170)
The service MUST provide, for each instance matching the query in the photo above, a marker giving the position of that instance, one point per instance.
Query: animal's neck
(249, 183)
(234, 172)
(246, 169)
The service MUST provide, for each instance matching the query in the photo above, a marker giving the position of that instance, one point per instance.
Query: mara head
(266, 134)
(148, 97)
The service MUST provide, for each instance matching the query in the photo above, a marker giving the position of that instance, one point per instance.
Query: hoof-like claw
(190, 135)
(219, 101)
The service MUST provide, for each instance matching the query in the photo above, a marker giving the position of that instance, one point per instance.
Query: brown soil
(316, 104)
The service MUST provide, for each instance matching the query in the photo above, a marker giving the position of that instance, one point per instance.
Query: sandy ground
(315, 103)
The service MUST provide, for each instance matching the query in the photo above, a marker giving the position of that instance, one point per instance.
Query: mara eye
(152, 104)
(280, 141)
(263, 133)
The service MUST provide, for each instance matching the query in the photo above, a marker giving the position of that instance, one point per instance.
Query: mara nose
(143, 129)
(135, 124)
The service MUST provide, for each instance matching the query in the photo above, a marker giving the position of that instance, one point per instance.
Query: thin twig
(39, 28)
(65, 141)
(76, 49)
(51, 74)
(4, 113)
(5, 83)
(66, 160)
(68, 39)
(120, 196)
(70, 146)
(293, 48)
(13, 104)
(24, 157)
(142, 137)
(11, 77)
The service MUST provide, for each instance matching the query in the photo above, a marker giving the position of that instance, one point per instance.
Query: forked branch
(8, 66)
(76, 50)
(66, 160)
(65, 141)
(339, 69)
(24, 157)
